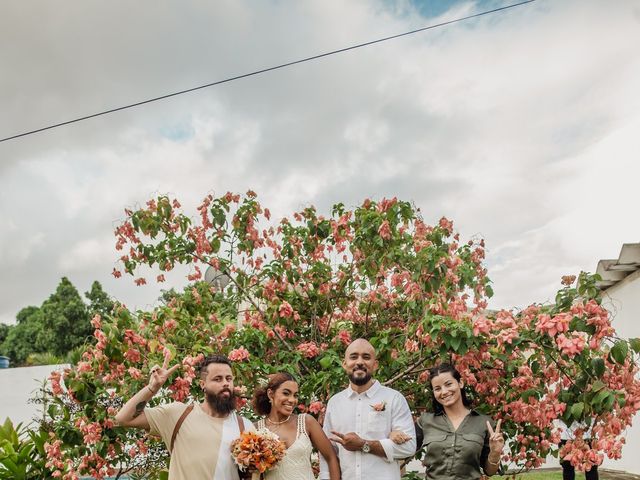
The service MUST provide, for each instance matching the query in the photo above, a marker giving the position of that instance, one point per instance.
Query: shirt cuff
(388, 447)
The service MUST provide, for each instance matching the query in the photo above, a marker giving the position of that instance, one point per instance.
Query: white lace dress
(296, 464)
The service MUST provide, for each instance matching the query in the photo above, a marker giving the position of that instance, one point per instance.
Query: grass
(557, 476)
(536, 476)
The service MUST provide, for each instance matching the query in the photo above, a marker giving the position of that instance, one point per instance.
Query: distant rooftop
(614, 271)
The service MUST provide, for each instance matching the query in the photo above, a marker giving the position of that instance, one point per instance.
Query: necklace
(278, 423)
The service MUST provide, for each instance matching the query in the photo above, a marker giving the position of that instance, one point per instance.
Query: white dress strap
(261, 425)
(302, 425)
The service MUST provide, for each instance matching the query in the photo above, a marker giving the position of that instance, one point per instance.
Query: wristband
(151, 390)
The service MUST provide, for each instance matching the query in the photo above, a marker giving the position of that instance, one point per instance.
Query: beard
(219, 403)
(359, 381)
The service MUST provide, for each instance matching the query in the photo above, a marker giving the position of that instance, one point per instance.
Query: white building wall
(17, 387)
(623, 301)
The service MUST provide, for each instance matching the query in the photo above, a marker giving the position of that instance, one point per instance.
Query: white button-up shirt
(348, 411)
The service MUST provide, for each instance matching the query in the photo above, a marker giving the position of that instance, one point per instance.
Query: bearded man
(198, 436)
(360, 418)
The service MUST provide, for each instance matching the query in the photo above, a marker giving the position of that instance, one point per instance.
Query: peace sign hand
(496, 441)
(159, 375)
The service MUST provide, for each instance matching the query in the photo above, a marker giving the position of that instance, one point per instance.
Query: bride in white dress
(301, 433)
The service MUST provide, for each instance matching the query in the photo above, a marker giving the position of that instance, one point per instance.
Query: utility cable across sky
(265, 70)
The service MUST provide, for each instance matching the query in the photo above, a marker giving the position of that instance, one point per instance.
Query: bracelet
(151, 390)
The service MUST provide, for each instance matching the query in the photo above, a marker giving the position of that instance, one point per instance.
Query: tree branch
(247, 295)
(407, 371)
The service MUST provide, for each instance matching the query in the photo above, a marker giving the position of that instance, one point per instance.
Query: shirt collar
(370, 392)
(471, 412)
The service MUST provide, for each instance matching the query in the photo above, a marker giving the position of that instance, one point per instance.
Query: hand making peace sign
(159, 375)
(496, 441)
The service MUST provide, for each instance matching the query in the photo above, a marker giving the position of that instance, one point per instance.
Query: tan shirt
(202, 448)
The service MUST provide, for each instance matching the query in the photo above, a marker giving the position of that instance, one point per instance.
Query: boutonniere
(379, 407)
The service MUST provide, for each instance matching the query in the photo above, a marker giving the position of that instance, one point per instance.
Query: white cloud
(519, 126)
(85, 255)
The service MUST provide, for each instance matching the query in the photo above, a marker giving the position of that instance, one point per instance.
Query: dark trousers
(569, 472)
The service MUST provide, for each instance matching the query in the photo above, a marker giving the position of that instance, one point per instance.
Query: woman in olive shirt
(459, 442)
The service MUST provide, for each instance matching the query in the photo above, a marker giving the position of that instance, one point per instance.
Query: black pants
(569, 472)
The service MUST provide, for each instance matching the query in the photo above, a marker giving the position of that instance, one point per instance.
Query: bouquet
(257, 451)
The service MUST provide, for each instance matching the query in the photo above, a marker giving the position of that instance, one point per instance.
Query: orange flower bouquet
(257, 451)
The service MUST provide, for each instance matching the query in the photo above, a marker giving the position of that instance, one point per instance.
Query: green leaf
(598, 366)
(326, 361)
(528, 394)
(535, 367)
(489, 291)
(608, 401)
(597, 386)
(600, 396)
(577, 409)
(619, 351)
(635, 344)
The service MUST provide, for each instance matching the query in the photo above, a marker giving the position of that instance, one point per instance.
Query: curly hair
(261, 402)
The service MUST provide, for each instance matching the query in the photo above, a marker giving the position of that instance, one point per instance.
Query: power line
(264, 70)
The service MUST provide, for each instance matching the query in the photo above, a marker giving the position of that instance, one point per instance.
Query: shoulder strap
(240, 423)
(176, 429)
(302, 424)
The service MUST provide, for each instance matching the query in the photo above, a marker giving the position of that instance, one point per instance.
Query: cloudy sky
(523, 126)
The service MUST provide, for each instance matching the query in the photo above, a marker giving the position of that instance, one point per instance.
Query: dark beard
(359, 381)
(220, 404)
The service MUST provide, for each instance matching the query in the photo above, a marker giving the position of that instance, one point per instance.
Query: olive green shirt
(454, 454)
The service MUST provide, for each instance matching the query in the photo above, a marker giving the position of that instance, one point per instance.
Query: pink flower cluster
(344, 337)
(54, 380)
(580, 454)
(180, 388)
(316, 407)
(239, 354)
(308, 349)
(571, 345)
(553, 325)
(285, 310)
(91, 431)
(385, 230)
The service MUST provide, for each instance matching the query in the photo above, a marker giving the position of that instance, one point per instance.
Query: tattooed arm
(132, 413)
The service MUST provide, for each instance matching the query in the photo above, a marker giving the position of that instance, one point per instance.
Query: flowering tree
(301, 289)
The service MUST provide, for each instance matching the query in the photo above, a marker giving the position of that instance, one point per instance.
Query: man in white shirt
(198, 436)
(360, 418)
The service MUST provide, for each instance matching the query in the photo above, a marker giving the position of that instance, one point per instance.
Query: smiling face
(284, 399)
(360, 362)
(447, 390)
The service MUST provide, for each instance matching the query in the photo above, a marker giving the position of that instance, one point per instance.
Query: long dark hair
(447, 368)
(261, 403)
